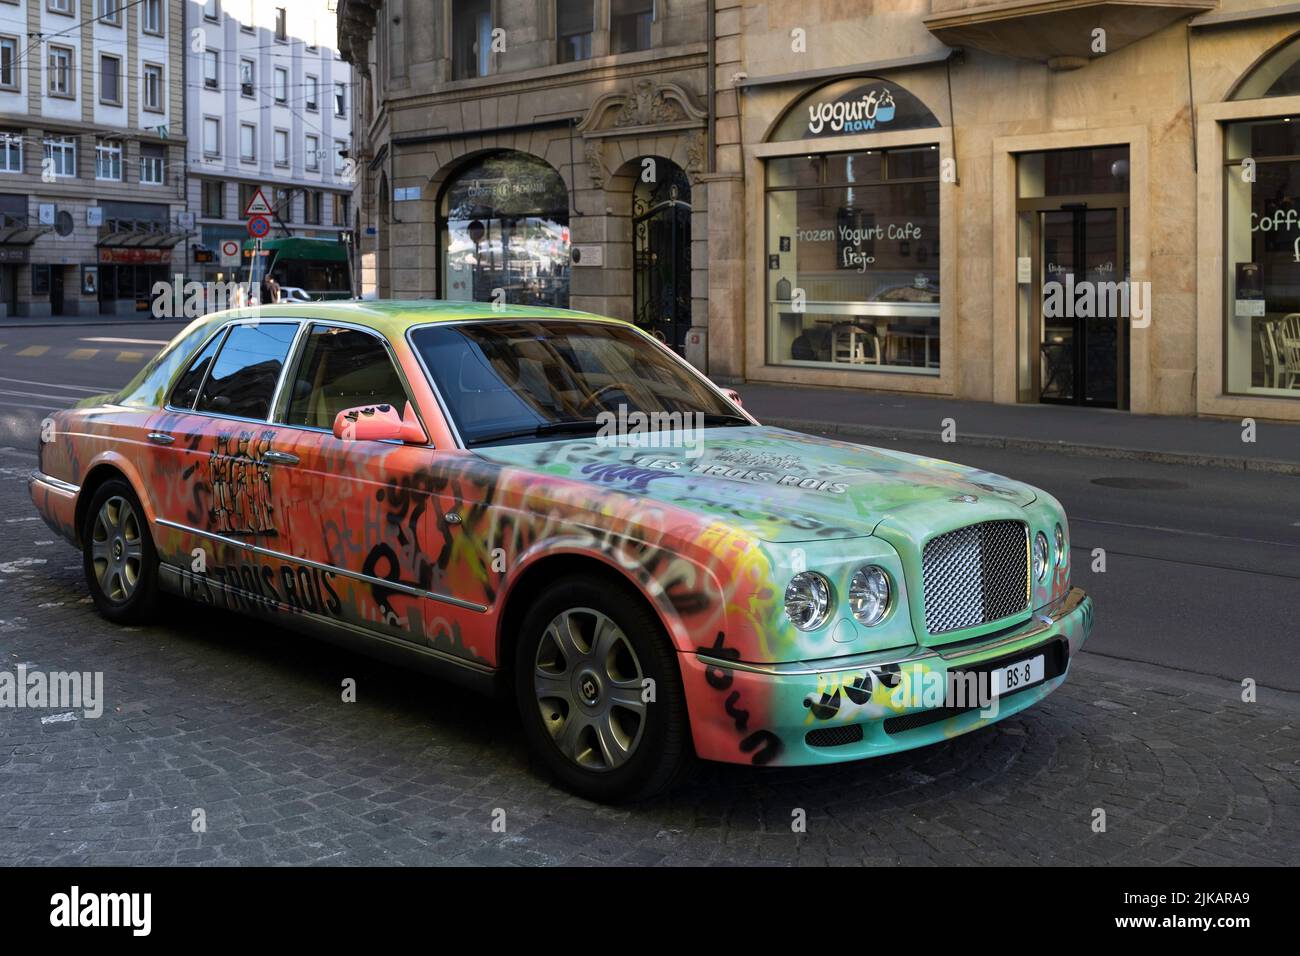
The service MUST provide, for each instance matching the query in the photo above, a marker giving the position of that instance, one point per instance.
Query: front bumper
(867, 705)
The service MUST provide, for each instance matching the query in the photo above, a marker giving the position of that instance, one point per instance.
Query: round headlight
(1060, 546)
(808, 600)
(1041, 556)
(869, 595)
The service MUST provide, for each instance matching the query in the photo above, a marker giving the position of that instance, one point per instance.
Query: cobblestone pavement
(246, 723)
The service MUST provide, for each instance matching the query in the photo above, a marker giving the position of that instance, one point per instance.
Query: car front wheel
(599, 692)
(118, 555)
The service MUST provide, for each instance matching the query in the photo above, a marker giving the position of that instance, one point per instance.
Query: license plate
(1004, 680)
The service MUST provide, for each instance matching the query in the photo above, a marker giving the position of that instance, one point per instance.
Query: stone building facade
(92, 147)
(1089, 203)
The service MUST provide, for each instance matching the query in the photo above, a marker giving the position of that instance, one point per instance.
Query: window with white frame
(211, 136)
(60, 6)
(313, 91)
(281, 81)
(61, 71)
(247, 77)
(340, 99)
(61, 155)
(110, 79)
(248, 142)
(281, 143)
(151, 17)
(311, 158)
(248, 24)
(212, 9)
(212, 69)
(11, 152)
(8, 63)
(339, 148)
(153, 161)
(281, 25)
(108, 159)
(110, 12)
(152, 93)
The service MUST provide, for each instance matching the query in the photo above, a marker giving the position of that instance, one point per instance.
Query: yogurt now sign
(852, 116)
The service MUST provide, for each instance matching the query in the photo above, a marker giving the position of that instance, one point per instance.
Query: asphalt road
(204, 712)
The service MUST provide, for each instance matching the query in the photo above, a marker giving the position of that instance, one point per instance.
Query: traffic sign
(257, 206)
(259, 227)
(230, 250)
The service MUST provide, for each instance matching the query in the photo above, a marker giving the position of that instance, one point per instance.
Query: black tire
(134, 597)
(662, 750)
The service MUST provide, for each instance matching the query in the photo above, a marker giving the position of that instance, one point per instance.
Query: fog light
(808, 600)
(869, 595)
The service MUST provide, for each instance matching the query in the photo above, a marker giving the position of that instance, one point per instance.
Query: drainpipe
(710, 85)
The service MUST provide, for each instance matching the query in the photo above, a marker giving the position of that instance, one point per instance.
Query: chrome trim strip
(331, 623)
(1040, 623)
(57, 484)
(281, 556)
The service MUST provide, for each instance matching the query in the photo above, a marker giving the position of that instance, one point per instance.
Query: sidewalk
(853, 415)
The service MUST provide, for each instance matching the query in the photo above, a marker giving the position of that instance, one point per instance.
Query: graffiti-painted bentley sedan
(555, 506)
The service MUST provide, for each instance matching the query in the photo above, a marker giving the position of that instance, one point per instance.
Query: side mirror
(379, 423)
(734, 395)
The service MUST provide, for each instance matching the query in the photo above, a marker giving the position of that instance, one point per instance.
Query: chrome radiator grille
(975, 574)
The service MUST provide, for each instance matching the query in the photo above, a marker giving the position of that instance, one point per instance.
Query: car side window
(187, 386)
(340, 368)
(246, 369)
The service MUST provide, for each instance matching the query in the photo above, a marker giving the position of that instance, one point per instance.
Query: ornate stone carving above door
(649, 107)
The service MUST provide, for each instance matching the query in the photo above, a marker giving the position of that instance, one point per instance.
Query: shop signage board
(851, 107)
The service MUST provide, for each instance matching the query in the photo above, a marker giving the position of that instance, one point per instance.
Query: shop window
(1262, 258)
(505, 225)
(1278, 74)
(471, 39)
(853, 260)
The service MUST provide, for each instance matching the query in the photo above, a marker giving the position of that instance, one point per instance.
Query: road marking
(130, 356)
(91, 389)
(33, 351)
(57, 398)
(112, 341)
(83, 353)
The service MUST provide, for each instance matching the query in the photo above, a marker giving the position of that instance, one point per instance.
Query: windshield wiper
(541, 430)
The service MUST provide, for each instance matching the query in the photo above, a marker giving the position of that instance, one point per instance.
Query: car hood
(777, 484)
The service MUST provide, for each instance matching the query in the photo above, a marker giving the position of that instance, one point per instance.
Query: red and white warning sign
(257, 206)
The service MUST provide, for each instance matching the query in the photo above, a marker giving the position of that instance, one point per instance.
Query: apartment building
(268, 105)
(92, 202)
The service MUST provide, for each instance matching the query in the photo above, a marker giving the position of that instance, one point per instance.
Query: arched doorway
(504, 232)
(661, 252)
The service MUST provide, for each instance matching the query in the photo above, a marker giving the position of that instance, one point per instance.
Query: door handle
(161, 438)
(280, 458)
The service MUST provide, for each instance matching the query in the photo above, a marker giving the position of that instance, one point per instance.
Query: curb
(851, 430)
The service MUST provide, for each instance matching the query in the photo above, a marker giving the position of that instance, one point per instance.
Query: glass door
(1083, 307)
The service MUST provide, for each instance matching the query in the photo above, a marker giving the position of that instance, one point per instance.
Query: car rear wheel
(599, 692)
(118, 555)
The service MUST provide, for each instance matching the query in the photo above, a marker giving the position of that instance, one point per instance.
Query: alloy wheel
(117, 549)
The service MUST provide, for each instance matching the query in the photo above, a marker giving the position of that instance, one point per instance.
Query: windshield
(528, 379)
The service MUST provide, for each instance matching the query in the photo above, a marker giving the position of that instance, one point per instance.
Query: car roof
(394, 316)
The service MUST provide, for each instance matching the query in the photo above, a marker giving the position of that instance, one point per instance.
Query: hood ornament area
(965, 499)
